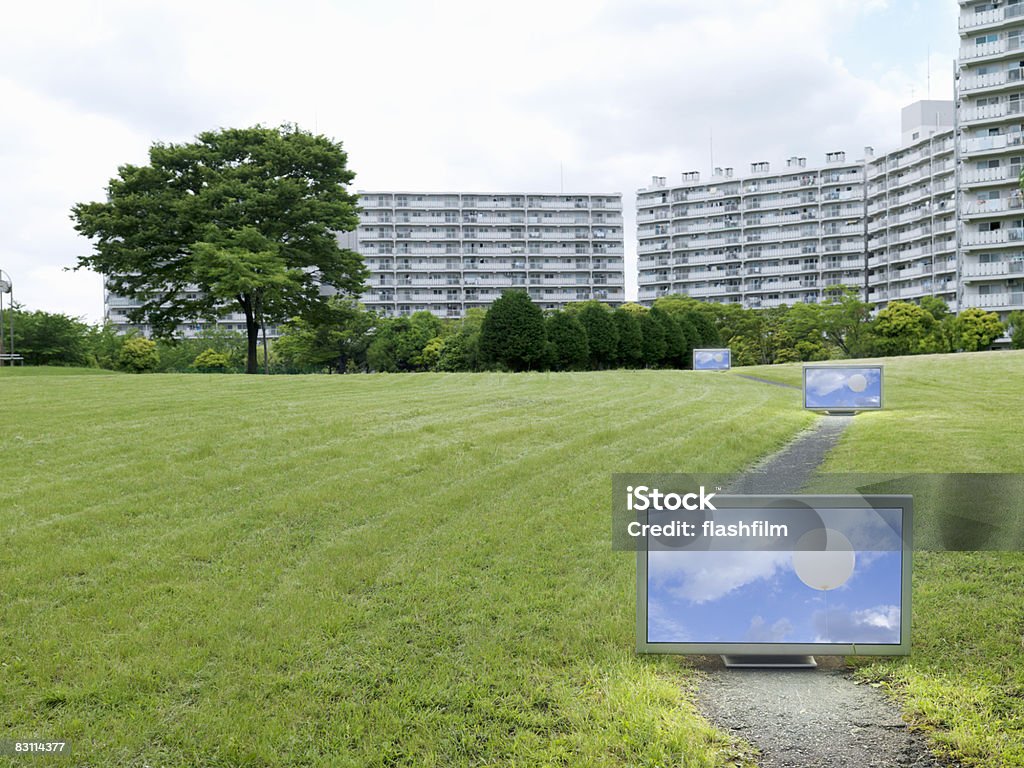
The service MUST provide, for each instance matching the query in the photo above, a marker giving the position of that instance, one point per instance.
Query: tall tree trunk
(263, 333)
(252, 334)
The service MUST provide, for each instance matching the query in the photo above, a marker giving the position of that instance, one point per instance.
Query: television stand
(765, 661)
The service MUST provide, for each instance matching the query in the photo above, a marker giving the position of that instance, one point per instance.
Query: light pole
(6, 286)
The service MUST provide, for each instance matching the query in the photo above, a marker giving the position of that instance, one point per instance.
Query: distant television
(843, 388)
(837, 584)
(712, 359)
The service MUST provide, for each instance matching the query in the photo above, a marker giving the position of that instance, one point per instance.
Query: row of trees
(514, 334)
(46, 338)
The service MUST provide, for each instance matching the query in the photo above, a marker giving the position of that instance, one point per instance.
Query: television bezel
(875, 501)
(840, 408)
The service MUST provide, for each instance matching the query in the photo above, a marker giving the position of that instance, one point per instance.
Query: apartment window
(989, 38)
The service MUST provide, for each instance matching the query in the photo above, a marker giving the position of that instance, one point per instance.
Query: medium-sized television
(843, 388)
(712, 359)
(836, 583)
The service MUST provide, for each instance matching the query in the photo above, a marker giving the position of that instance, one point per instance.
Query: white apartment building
(115, 312)
(990, 126)
(449, 252)
(760, 240)
(911, 211)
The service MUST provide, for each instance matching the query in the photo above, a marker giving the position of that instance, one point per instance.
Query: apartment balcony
(990, 18)
(974, 52)
(844, 264)
(486, 281)
(648, 216)
(704, 194)
(425, 282)
(654, 262)
(425, 265)
(403, 218)
(656, 247)
(709, 242)
(981, 144)
(712, 274)
(708, 290)
(651, 278)
(650, 294)
(991, 111)
(983, 207)
(1013, 235)
(840, 212)
(774, 253)
(560, 219)
(995, 301)
(486, 203)
(993, 269)
(778, 269)
(563, 204)
(988, 175)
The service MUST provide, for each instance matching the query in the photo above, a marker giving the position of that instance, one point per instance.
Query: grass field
(965, 678)
(348, 570)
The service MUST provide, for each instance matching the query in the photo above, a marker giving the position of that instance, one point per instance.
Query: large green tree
(976, 329)
(513, 333)
(242, 219)
(903, 328)
(630, 351)
(337, 342)
(568, 348)
(1015, 323)
(46, 338)
(602, 332)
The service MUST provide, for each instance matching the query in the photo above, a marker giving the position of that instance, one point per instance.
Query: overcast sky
(438, 96)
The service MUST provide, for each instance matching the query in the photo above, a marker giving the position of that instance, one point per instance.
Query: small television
(843, 388)
(712, 359)
(837, 583)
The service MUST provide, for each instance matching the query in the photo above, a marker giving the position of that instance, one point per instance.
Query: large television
(843, 388)
(712, 359)
(837, 582)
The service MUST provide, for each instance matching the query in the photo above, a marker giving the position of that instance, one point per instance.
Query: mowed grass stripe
(365, 589)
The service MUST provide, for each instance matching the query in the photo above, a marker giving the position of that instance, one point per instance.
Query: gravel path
(816, 718)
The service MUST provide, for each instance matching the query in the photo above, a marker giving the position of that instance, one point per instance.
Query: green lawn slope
(348, 570)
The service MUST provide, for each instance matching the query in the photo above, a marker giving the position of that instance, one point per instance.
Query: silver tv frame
(852, 409)
(902, 502)
(715, 349)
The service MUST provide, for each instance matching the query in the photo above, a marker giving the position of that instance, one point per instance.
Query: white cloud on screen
(823, 383)
(760, 631)
(700, 577)
(880, 624)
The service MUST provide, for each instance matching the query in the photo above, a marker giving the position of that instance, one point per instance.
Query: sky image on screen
(711, 359)
(774, 597)
(842, 387)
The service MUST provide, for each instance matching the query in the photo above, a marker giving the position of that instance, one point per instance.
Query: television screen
(837, 581)
(711, 359)
(843, 387)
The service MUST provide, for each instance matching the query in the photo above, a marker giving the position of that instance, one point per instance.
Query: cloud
(663, 625)
(700, 577)
(760, 632)
(880, 624)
